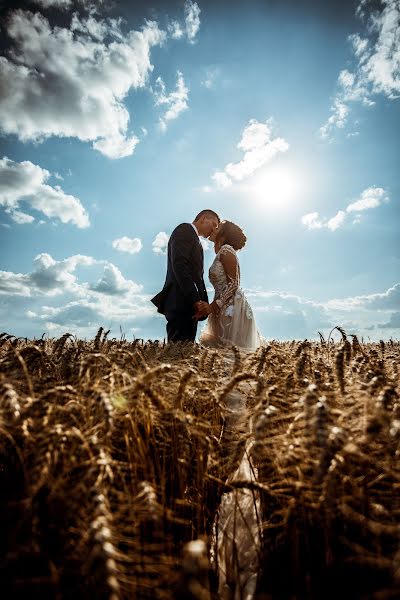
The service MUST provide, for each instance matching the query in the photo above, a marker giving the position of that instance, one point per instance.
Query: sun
(276, 188)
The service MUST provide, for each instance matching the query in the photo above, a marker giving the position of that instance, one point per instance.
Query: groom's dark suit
(184, 284)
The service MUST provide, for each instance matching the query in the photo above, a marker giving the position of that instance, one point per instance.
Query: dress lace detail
(234, 322)
(225, 287)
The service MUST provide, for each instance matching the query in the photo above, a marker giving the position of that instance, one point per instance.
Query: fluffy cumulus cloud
(160, 243)
(174, 103)
(61, 4)
(113, 283)
(79, 294)
(72, 82)
(126, 244)
(282, 315)
(258, 146)
(191, 25)
(57, 296)
(384, 301)
(26, 182)
(376, 63)
(192, 19)
(371, 197)
(92, 6)
(49, 277)
(88, 314)
(52, 277)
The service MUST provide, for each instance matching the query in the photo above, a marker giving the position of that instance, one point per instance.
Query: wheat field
(116, 456)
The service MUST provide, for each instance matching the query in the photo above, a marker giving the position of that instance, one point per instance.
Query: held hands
(203, 309)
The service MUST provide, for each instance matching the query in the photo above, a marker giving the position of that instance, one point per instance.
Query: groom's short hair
(207, 212)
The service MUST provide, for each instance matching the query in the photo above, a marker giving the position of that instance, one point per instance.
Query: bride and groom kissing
(184, 300)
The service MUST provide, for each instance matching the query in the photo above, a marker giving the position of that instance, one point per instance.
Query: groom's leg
(181, 329)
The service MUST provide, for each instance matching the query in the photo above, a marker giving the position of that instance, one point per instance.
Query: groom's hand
(201, 310)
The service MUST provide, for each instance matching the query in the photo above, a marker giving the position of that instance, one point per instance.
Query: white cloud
(62, 4)
(160, 243)
(191, 25)
(126, 244)
(108, 300)
(211, 76)
(113, 282)
(175, 30)
(49, 277)
(82, 305)
(359, 44)
(52, 278)
(371, 197)
(311, 220)
(89, 313)
(352, 134)
(72, 82)
(19, 217)
(346, 79)
(93, 6)
(221, 180)
(336, 221)
(282, 315)
(25, 182)
(376, 61)
(15, 284)
(192, 20)
(286, 316)
(381, 67)
(258, 146)
(116, 146)
(338, 118)
(385, 301)
(175, 102)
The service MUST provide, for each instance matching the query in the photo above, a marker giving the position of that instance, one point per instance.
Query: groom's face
(209, 227)
(213, 234)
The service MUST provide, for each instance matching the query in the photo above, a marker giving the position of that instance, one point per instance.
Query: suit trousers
(181, 328)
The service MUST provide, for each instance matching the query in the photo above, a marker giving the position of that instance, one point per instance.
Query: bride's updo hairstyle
(232, 234)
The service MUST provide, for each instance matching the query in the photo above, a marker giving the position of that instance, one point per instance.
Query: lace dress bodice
(225, 288)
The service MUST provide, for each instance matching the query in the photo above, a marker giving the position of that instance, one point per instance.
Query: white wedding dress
(234, 323)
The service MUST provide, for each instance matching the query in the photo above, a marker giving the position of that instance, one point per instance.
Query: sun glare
(276, 188)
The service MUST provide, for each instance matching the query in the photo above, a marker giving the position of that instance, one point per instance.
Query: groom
(184, 285)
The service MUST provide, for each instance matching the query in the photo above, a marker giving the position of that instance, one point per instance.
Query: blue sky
(119, 123)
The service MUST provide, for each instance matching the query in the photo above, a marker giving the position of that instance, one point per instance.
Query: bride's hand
(208, 308)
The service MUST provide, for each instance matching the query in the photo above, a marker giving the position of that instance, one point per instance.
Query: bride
(231, 321)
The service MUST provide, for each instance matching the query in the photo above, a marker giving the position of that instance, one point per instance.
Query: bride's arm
(230, 263)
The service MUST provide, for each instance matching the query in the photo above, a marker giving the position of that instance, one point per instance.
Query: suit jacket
(184, 283)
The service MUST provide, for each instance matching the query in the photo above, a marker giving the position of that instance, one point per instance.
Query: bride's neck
(218, 245)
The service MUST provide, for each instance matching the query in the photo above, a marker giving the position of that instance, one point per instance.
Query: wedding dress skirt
(237, 537)
(236, 540)
(234, 325)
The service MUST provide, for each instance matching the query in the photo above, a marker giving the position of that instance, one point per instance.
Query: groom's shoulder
(182, 228)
